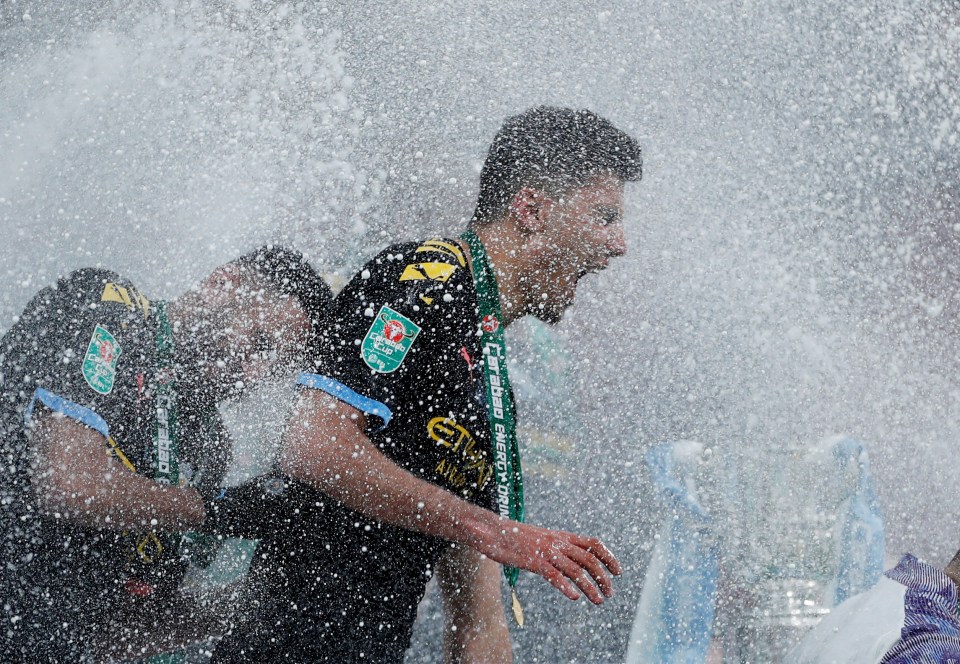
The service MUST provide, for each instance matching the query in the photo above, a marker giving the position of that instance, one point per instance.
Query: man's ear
(529, 208)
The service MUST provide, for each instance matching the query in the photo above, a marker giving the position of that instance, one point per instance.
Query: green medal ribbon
(500, 408)
(166, 429)
(166, 433)
(166, 448)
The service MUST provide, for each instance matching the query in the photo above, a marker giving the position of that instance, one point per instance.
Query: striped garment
(931, 624)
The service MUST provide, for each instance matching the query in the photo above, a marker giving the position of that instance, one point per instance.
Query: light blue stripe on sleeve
(67, 408)
(334, 388)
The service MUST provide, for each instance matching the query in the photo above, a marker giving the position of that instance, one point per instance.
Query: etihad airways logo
(464, 457)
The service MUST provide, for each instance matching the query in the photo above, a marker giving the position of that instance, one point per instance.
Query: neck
(500, 243)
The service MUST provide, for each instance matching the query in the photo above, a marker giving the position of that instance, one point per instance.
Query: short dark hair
(290, 273)
(552, 148)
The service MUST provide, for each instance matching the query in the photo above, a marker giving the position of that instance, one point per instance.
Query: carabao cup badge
(388, 340)
(100, 363)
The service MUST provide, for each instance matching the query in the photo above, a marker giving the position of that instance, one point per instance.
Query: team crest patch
(100, 362)
(388, 340)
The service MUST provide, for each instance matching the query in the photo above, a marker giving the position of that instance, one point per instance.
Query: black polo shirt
(403, 347)
(85, 349)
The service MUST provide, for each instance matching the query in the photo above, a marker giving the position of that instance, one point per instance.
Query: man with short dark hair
(111, 440)
(400, 459)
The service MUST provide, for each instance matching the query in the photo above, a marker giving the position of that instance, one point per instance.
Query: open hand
(568, 561)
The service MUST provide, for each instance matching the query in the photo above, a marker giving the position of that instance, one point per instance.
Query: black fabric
(60, 582)
(342, 587)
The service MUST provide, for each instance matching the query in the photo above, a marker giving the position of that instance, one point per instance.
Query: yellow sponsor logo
(467, 458)
(434, 271)
(149, 547)
(450, 473)
(126, 296)
(448, 433)
(446, 248)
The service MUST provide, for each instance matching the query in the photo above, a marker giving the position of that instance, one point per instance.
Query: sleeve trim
(67, 408)
(337, 389)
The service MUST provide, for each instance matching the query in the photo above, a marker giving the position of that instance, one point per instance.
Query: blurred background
(793, 262)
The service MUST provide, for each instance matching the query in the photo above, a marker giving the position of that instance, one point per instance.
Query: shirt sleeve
(73, 346)
(931, 626)
(389, 322)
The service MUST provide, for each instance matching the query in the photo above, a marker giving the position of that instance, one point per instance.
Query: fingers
(523, 547)
(597, 548)
(585, 561)
(558, 581)
(578, 575)
(567, 561)
(588, 562)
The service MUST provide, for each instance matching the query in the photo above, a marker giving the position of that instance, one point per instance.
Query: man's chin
(550, 313)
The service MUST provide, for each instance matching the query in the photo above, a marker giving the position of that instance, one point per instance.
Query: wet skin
(582, 231)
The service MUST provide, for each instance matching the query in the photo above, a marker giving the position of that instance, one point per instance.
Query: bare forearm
(76, 480)
(346, 466)
(122, 500)
(475, 630)
(325, 446)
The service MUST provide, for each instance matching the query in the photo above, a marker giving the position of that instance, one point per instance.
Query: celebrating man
(410, 384)
(111, 440)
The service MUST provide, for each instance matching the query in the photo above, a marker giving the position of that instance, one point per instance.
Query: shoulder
(86, 304)
(73, 298)
(410, 294)
(435, 260)
(111, 293)
(429, 271)
(89, 289)
(106, 296)
(74, 336)
(422, 277)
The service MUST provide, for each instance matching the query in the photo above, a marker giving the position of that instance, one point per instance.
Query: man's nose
(617, 242)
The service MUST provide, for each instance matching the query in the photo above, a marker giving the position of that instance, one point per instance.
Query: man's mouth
(595, 268)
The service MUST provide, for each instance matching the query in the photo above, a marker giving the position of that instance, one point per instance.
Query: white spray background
(789, 274)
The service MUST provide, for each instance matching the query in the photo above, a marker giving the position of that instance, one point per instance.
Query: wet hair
(552, 149)
(290, 273)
